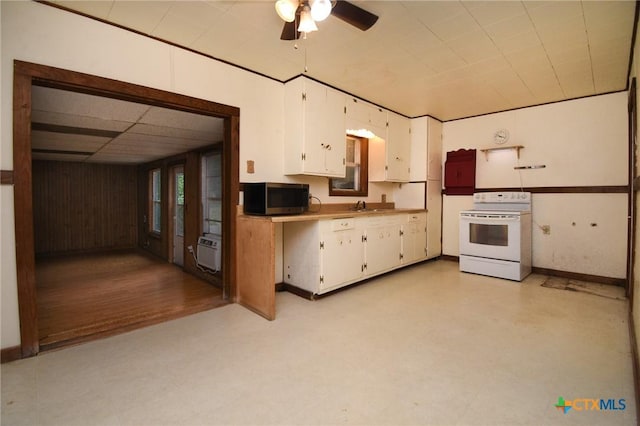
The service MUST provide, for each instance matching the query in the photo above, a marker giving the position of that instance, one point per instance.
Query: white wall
(41, 34)
(582, 143)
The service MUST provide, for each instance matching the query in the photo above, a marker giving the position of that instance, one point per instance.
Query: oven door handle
(491, 218)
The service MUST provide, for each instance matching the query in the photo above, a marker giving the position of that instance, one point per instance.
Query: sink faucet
(363, 203)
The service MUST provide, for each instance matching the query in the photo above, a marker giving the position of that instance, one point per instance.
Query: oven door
(490, 235)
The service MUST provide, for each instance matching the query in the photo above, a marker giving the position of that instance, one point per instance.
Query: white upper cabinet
(419, 160)
(363, 115)
(426, 149)
(314, 135)
(434, 149)
(389, 159)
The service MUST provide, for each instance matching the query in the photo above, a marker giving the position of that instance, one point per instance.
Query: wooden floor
(83, 297)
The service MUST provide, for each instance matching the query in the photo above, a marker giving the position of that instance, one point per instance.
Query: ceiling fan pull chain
(305, 60)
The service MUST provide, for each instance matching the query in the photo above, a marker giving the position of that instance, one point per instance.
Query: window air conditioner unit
(209, 252)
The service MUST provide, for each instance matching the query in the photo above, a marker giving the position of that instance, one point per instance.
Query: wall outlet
(546, 229)
(251, 166)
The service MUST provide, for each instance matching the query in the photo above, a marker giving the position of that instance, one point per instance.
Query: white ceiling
(70, 126)
(447, 59)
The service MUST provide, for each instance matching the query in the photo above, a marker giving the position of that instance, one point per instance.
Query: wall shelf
(486, 151)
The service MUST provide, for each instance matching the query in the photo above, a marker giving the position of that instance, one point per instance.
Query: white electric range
(495, 237)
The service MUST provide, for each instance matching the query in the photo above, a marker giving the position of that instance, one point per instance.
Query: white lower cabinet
(414, 238)
(382, 243)
(323, 255)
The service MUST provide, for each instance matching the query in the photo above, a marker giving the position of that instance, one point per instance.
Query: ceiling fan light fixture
(286, 9)
(320, 9)
(307, 24)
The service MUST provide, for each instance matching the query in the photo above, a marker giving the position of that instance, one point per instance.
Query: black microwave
(269, 198)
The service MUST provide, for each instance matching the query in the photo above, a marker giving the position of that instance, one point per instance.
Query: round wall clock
(501, 136)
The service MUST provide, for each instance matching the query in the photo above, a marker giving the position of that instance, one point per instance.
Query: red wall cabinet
(460, 172)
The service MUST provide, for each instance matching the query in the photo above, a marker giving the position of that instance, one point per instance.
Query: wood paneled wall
(83, 207)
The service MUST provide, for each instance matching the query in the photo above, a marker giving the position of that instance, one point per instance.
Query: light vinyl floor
(426, 345)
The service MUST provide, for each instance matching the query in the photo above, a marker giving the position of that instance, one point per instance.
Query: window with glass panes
(155, 204)
(212, 193)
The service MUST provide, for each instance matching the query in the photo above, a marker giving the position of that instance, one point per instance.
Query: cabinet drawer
(343, 224)
(416, 217)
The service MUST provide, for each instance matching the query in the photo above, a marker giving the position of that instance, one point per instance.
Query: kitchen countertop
(309, 216)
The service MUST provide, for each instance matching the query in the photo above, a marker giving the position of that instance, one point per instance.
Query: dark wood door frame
(633, 188)
(27, 74)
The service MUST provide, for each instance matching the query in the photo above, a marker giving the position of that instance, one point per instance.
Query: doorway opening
(28, 76)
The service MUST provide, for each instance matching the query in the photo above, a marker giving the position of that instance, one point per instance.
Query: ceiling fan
(300, 16)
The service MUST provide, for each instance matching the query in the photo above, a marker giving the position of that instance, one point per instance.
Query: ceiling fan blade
(289, 31)
(354, 15)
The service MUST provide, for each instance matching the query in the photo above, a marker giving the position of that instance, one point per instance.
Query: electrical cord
(319, 206)
(206, 271)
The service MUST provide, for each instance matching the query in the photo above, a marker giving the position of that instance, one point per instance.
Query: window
(357, 170)
(212, 193)
(179, 188)
(155, 201)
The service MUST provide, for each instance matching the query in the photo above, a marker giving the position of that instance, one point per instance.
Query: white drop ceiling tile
(62, 141)
(443, 60)
(73, 103)
(522, 41)
(607, 76)
(143, 16)
(577, 69)
(572, 54)
(431, 12)
(222, 5)
(180, 119)
(211, 136)
(454, 27)
(258, 13)
(490, 12)
(619, 47)
(421, 41)
(576, 85)
(156, 151)
(95, 8)
(553, 38)
(150, 143)
(537, 78)
(510, 28)
(474, 47)
(70, 120)
(545, 92)
(554, 13)
(609, 15)
(185, 22)
(533, 58)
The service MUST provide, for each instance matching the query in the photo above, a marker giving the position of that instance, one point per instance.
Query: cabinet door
(314, 129)
(342, 258)
(316, 145)
(398, 147)
(434, 222)
(434, 150)
(333, 140)
(382, 250)
(419, 142)
(414, 238)
(362, 115)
